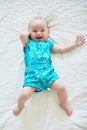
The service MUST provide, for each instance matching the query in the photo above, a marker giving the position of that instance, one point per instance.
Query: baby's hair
(38, 18)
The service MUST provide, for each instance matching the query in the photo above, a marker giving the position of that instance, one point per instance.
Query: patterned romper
(39, 72)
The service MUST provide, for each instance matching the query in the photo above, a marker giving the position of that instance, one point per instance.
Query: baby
(39, 71)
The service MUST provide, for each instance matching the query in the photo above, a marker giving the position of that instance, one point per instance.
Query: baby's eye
(34, 31)
(42, 30)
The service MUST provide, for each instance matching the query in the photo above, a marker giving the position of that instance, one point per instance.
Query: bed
(67, 19)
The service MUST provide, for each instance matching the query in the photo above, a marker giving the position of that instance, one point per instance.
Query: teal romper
(39, 72)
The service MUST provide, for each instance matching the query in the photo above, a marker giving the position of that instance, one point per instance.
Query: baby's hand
(80, 40)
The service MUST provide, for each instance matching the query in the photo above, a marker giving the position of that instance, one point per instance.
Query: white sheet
(42, 112)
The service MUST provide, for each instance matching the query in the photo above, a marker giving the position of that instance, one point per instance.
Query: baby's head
(38, 29)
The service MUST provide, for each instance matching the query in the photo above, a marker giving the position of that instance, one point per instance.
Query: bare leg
(24, 96)
(59, 86)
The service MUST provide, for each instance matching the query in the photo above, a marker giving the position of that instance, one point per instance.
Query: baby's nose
(38, 32)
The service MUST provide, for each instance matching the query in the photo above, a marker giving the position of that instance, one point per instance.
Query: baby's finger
(81, 37)
(83, 40)
(77, 37)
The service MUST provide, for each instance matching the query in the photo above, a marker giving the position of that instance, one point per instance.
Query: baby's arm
(79, 41)
(24, 38)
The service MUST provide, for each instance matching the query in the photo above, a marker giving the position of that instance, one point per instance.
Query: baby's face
(39, 30)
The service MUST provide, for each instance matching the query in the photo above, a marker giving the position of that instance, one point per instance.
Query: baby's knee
(25, 95)
(62, 87)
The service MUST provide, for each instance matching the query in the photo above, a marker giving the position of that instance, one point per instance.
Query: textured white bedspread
(67, 19)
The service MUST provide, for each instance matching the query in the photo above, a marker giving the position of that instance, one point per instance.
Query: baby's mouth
(39, 38)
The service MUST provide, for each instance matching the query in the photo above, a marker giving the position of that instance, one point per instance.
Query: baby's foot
(17, 110)
(67, 109)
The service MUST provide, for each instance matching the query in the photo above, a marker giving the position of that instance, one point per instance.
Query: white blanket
(67, 19)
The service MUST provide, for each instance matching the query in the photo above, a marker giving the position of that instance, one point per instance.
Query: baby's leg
(24, 96)
(59, 86)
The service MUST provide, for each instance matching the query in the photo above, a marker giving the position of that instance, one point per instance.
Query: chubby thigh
(58, 84)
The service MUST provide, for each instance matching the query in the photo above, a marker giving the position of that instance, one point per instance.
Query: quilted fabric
(67, 19)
